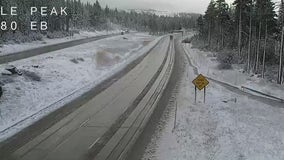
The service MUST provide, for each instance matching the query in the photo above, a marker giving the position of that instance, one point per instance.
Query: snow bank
(228, 127)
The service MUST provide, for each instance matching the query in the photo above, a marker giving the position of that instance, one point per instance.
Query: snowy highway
(48, 48)
(105, 125)
(232, 124)
(141, 80)
(53, 80)
(110, 121)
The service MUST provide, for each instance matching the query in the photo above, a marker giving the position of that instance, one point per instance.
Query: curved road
(108, 118)
(166, 107)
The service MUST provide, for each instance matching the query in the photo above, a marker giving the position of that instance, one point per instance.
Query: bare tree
(280, 74)
(264, 51)
(240, 33)
(250, 38)
(209, 34)
(258, 48)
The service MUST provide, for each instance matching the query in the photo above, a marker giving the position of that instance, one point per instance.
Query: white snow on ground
(207, 64)
(63, 80)
(13, 48)
(228, 127)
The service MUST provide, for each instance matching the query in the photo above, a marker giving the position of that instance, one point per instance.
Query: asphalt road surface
(166, 106)
(49, 48)
(90, 130)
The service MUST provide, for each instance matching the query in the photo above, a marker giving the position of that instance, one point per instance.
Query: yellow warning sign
(200, 82)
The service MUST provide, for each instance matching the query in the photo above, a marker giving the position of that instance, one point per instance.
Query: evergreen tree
(223, 18)
(210, 16)
(242, 15)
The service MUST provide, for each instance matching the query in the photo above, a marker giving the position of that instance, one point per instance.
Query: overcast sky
(195, 6)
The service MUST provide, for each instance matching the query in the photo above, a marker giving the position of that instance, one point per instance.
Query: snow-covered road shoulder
(229, 126)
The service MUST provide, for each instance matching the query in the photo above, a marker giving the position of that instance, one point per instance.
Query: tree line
(91, 17)
(251, 29)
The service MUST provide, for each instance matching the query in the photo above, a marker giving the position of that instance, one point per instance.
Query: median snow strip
(62, 80)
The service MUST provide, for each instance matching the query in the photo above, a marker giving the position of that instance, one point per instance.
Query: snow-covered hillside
(153, 11)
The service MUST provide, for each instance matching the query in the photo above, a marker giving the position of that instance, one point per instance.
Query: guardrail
(243, 88)
(263, 94)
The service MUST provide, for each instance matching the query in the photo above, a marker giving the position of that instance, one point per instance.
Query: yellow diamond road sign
(200, 82)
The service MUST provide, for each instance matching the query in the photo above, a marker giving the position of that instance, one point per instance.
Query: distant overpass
(178, 31)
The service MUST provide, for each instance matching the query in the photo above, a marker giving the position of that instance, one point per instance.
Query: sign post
(195, 94)
(204, 95)
(201, 83)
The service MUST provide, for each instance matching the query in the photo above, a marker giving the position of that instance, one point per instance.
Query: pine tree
(241, 14)
(267, 26)
(222, 18)
(210, 16)
(251, 15)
